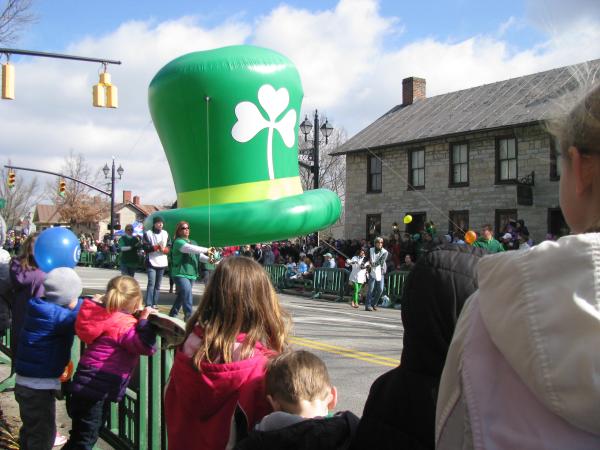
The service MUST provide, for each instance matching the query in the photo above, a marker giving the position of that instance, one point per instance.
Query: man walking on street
(377, 257)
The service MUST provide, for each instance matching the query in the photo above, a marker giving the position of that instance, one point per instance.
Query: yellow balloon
(470, 237)
(407, 219)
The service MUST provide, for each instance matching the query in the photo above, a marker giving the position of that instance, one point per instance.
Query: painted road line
(336, 347)
(388, 318)
(322, 319)
(363, 356)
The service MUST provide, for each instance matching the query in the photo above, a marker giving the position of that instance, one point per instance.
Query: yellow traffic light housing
(62, 188)
(105, 94)
(8, 81)
(10, 182)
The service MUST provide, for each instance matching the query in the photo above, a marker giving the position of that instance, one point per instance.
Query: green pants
(356, 296)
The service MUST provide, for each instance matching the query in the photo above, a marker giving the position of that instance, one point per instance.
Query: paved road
(356, 345)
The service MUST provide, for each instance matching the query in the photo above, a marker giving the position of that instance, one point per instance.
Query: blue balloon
(56, 247)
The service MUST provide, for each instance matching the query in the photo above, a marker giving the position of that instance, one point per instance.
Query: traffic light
(11, 179)
(62, 187)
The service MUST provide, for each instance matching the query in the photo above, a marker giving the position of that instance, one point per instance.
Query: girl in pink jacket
(216, 389)
(115, 339)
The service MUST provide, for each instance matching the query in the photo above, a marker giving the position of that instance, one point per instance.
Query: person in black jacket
(300, 392)
(400, 410)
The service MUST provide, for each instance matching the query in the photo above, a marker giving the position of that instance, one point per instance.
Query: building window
(459, 164)
(373, 226)
(555, 163)
(506, 160)
(502, 218)
(374, 170)
(416, 169)
(417, 225)
(557, 226)
(458, 223)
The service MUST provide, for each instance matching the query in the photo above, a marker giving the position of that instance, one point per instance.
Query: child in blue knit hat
(44, 350)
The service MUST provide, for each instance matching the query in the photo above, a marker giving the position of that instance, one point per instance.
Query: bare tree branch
(20, 200)
(15, 16)
(78, 205)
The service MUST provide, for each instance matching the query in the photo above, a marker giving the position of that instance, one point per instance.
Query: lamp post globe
(326, 129)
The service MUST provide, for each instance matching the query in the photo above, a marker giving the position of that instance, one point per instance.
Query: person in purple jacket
(115, 338)
(27, 282)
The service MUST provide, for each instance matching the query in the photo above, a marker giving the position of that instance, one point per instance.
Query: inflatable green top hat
(228, 121)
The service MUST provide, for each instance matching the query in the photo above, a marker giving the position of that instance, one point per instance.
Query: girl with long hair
(216, 390)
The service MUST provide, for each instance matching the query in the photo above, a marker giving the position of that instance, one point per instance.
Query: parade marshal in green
(129, 246)
(186, 256)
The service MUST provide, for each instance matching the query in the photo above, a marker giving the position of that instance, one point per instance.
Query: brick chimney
(136, 200)
(413, 89)
(126, 196)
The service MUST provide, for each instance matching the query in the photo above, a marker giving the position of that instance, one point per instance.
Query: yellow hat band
(241, 193)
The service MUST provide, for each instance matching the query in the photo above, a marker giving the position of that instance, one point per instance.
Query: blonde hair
(123, 293)
(297, 375)
(580, 128)
(239, 298)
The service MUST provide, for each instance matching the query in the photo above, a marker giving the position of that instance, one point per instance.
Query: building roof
(146, 210)
(517, 101)
(47, 214)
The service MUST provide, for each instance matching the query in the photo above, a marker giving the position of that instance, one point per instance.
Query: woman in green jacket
(186, 255)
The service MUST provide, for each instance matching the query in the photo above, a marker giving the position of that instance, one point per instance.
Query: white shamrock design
(251, 121)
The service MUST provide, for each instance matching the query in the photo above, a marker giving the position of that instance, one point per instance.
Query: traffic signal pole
(91, 186)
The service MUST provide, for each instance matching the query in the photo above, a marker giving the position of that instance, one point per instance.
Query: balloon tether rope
(207, 100)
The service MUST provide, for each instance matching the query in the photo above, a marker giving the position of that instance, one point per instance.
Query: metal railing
(394, 285)
(330, 281)
(137, 421)
(277, 273)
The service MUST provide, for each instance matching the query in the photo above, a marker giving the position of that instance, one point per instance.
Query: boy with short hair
(300, 392)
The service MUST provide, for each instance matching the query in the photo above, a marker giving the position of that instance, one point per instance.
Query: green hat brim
(252, 222)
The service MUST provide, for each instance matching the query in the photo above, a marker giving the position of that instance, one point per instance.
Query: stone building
(463, 159)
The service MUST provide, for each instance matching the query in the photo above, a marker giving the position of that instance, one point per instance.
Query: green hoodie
(492, 246)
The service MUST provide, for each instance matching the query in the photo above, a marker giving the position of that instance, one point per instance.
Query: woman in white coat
(358, 276)
(523, 367)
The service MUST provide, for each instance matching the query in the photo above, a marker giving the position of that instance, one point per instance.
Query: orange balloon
(67, 373)
(470, 237)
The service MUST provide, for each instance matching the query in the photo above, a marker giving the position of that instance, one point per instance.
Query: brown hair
(297, 375)
(239, 298)
(122, 294)
(179, 226)
(25, 257)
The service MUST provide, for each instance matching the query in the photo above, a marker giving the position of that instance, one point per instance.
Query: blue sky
(68, 21)
(351, 55)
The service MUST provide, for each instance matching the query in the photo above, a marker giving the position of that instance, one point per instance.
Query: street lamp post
(120, 171)
(326, 130)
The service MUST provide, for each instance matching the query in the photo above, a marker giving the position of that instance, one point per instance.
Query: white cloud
(507, 25)
(346, 69)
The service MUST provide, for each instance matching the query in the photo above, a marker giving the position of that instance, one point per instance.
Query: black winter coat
(400, 410)
(332, 433)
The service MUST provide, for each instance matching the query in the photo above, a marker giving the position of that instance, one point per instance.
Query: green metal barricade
(6, 358)
(330, 281)
(394, 285)
(277, 273)
(137, 422)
